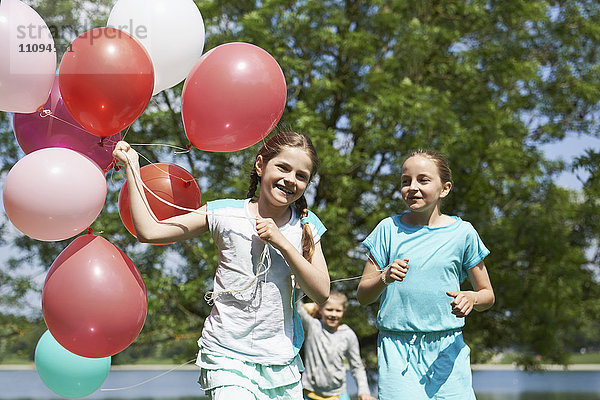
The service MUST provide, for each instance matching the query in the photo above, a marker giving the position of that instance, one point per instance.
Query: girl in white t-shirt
(250, 341)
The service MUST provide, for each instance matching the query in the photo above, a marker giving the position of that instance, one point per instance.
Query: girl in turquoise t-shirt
(417, 263)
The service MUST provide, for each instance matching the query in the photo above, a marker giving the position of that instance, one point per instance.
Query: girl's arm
(312, 277)
(374, 280)
(480, 299)
(148, 228)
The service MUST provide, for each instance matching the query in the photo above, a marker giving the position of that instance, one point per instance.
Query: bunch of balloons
(67, 124)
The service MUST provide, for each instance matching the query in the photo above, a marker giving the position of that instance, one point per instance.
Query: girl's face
(331, 314)
(284, 178)
(422, 188)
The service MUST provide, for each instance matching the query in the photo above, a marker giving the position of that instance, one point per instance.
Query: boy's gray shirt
(324, 356)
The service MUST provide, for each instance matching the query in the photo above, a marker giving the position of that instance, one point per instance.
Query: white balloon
(172, 31)
(27, 58)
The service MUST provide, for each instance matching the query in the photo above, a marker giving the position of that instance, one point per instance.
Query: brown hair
(440, 161)
(270, 149)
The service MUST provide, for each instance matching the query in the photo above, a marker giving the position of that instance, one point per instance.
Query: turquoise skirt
(424, 366)
(264, 381)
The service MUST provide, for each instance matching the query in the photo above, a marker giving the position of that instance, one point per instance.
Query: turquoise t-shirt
(438, 262)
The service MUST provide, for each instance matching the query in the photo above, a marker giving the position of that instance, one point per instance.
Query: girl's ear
(258, 165)
(446, 187)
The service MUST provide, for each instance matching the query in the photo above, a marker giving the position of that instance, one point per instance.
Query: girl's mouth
(284, 190)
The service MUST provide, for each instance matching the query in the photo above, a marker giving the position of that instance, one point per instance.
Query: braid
(254, 179)
(308, 243)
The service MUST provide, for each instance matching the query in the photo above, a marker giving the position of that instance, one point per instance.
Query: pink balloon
(36, 131)
(54, 193)
(26, 69)
(94, 298)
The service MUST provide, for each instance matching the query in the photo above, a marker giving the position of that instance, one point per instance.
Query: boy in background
(327, 345)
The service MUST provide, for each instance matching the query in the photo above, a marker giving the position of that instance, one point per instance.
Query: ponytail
(308, 243)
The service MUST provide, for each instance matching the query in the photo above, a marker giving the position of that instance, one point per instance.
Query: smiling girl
(250, 341)
(421, 353)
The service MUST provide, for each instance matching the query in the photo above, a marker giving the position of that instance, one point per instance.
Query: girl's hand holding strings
(462, 303)
(269, 232)
(125, 154)
(397, 270)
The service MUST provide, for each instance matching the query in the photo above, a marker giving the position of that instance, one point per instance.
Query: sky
(568, 149)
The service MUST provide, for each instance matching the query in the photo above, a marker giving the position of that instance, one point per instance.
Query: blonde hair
(270, 149)
(339, 297)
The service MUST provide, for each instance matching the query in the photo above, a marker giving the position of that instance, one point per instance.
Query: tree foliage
(484, 82)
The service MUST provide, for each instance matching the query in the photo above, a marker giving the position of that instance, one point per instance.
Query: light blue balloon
(66, 373)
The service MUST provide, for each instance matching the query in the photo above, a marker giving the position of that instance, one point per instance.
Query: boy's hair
(338, 296)
(440, 161)
(270, 149)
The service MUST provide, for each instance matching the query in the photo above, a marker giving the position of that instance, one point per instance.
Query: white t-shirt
(256, 321)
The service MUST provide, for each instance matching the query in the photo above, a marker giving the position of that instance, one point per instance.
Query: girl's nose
(289, 178)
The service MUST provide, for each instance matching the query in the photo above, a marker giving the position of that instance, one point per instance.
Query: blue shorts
(424, 366)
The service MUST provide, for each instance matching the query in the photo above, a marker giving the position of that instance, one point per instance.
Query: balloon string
(185, 181)
(263, 267)
(181, 150)
(48, 113)
(148, 380)
(377, 272)
(150, 162)
(138, 179)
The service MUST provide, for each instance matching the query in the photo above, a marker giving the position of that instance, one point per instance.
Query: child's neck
(433, 219)
(280, 214)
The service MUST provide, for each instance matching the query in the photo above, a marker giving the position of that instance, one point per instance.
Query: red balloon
(171, 183)
(94, 298)
(232, 98)
(106, 81)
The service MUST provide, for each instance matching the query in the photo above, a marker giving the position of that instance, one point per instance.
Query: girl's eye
(302, 177)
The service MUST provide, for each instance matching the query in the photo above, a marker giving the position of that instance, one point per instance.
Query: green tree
(484, 82)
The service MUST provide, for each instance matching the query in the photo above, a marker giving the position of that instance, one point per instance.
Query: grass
(15, 361)
(587, 358)
(575, 358)
(153, 361)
